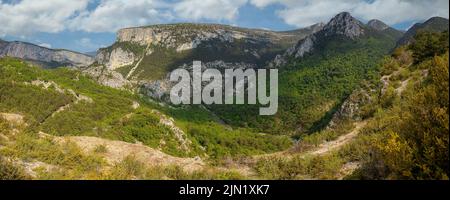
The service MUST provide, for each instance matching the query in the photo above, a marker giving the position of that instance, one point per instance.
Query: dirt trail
(323, 148)
(339, 142)
(116, 151)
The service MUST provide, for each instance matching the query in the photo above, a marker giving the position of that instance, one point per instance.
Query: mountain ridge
(434, 24)
(43, 56)
(342, 24)
(377, 24)
(143, 56)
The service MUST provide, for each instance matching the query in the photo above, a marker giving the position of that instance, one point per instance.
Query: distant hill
(42, 56)
(381, 26)
(435, 24)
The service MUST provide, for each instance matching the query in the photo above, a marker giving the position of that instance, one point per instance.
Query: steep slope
(48, 58)
(400, 125)
(435, 24)
(316, 75)
(64, 102)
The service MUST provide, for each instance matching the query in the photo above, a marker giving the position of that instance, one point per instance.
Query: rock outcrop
(342, 24)
(116, 59)
(107, 77)
(179, 36)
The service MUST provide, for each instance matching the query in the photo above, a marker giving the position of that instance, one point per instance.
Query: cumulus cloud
(302, 13)
(24, 17)
(208, 9)
(264, 3)
(29, 16)
(111, 15)
(397, 11)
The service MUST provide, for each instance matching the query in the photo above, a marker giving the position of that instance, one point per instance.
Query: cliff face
(145, 55)
(47, 57)
(189, 36)
(179, 37)
(191, 41)
(116, 58)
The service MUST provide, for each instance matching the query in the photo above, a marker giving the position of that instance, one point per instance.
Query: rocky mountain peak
(344, 24)
(377, 25)
(341, 24)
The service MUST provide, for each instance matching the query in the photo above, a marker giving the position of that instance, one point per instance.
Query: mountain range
(335, 80)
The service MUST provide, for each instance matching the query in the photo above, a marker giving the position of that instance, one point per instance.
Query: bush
(9, 171)
(412, 135)
(429, 44)
(300, 167)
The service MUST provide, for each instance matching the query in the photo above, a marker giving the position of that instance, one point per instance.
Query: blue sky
(86, 25)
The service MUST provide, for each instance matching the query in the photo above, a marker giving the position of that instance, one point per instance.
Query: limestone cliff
(143, 56)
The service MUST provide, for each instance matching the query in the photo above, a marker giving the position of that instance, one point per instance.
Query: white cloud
(21, 18)
(208, 9)
(30, 16)
(263, 3)
(111, 15)
(25, 17)
(397, 11)
(302, 13)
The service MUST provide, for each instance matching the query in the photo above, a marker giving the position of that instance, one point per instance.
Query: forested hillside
(63, 102)
(312, 87)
